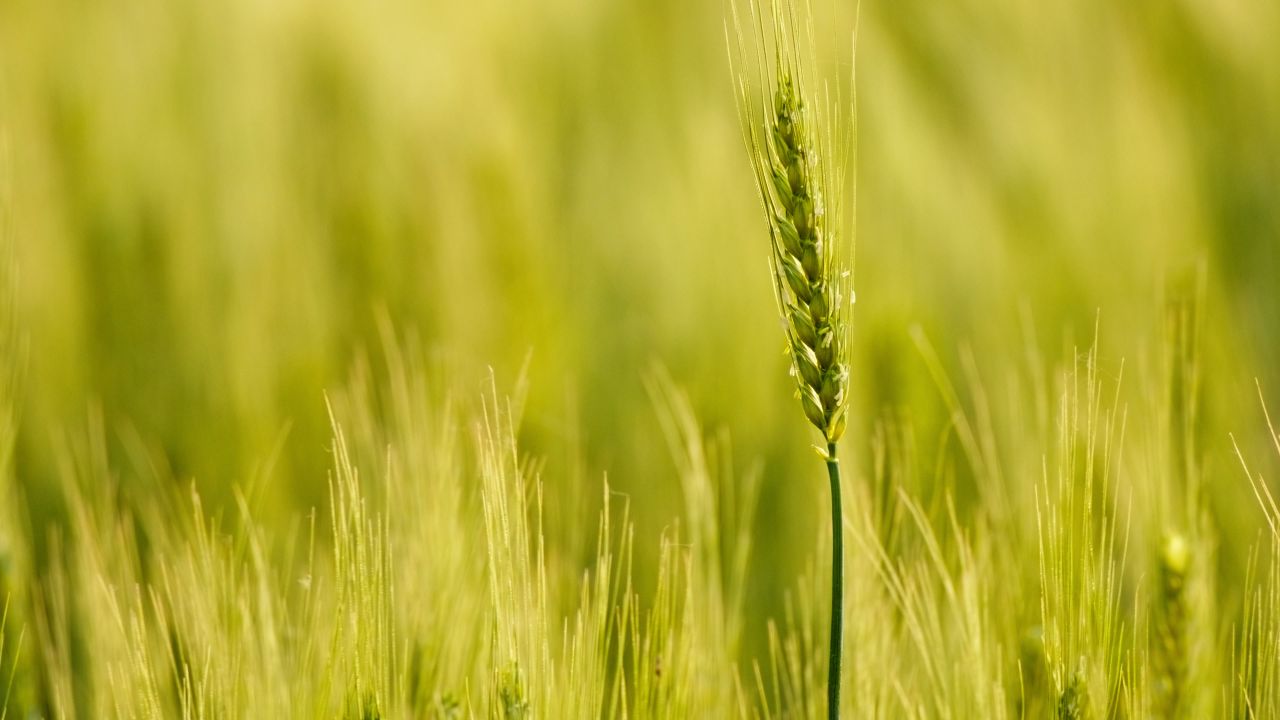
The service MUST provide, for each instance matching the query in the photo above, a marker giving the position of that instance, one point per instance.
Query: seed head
(796, 148)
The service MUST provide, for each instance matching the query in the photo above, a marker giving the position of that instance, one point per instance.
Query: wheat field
(410, 359)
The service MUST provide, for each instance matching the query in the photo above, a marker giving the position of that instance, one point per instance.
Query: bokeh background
(214, 207)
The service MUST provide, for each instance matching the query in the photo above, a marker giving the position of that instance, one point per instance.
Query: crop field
(543, 359)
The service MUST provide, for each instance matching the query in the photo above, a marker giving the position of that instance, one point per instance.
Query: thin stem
(837, 586)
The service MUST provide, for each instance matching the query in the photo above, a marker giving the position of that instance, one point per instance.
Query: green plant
(797, 146)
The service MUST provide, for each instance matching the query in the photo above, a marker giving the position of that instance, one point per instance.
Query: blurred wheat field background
(334, 331)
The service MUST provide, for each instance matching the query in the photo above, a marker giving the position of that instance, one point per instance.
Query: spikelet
(1073, 704)
(798, 150)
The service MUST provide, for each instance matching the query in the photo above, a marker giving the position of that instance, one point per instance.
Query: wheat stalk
(797, 148)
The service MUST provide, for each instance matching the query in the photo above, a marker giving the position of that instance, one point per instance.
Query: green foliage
(212, 215)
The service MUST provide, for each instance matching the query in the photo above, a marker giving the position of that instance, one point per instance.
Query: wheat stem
(837, 585)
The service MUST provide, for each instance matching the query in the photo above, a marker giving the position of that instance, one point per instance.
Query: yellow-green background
(214, 203)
